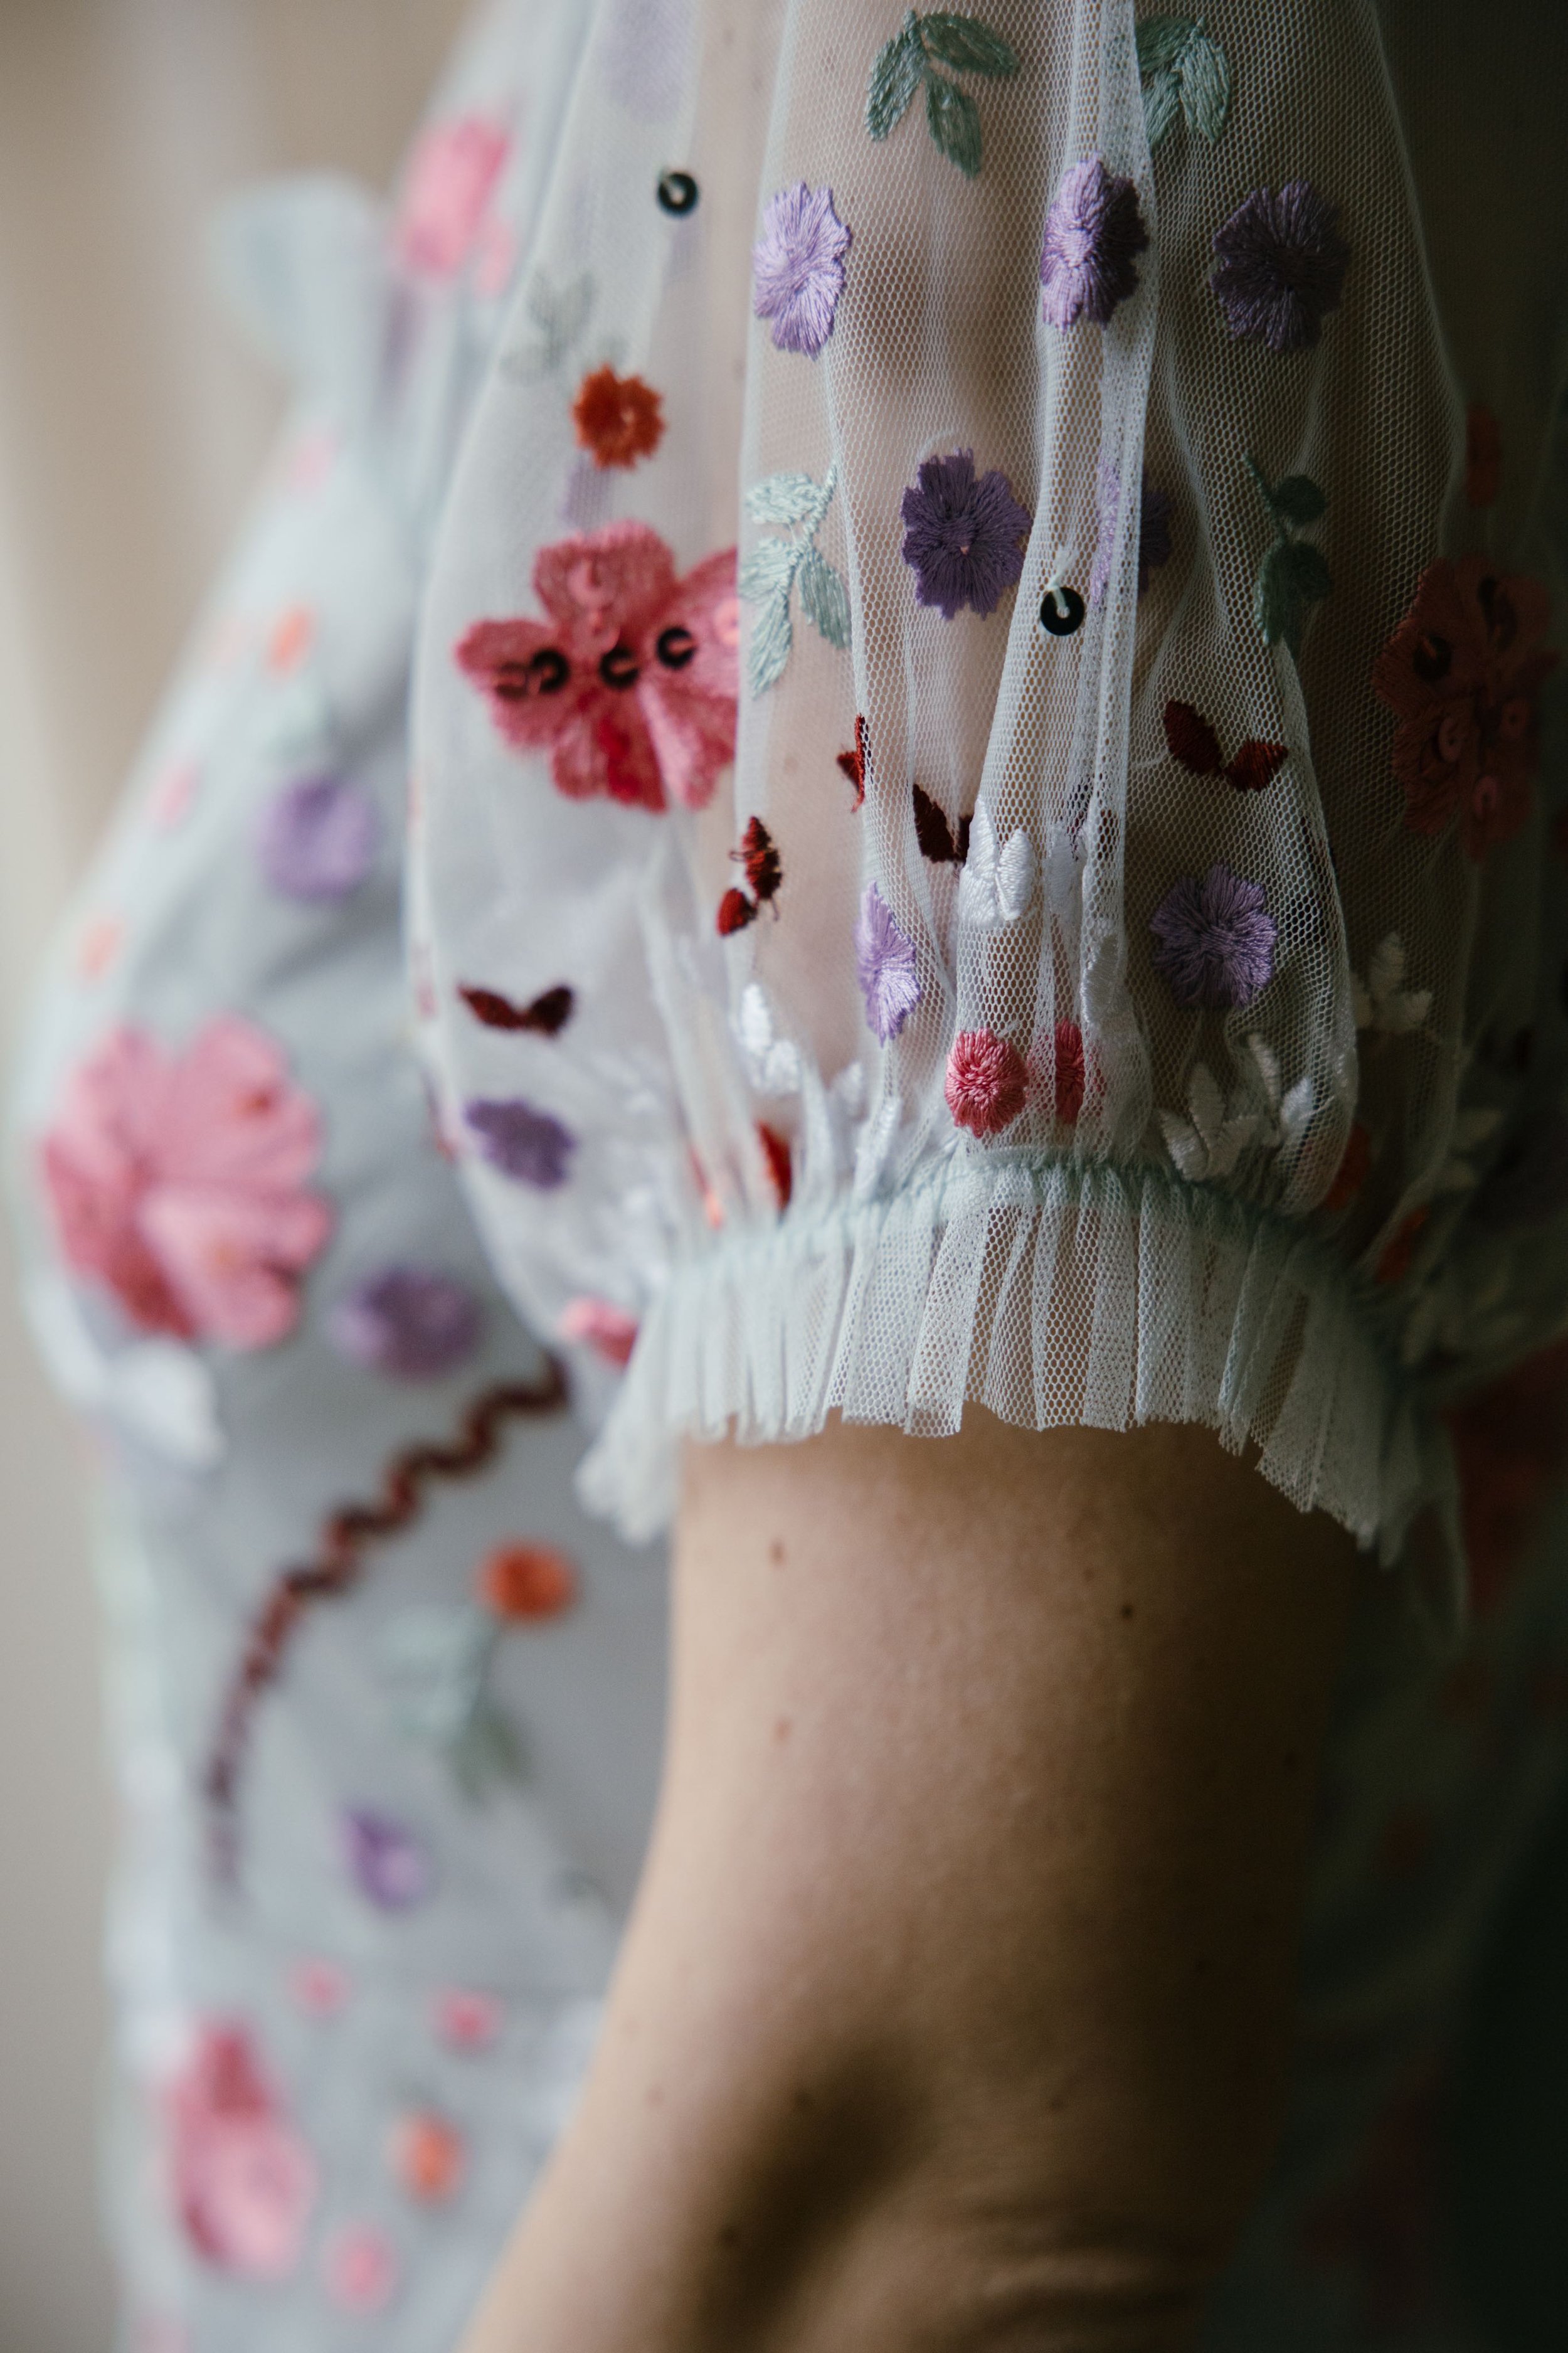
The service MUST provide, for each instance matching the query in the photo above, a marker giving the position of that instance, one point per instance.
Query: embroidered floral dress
(386, 1707)
(1072, 919)
(984, 826)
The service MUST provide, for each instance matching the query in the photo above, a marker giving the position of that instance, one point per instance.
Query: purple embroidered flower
(1281, 266)
(318, 840)
(522, 1142)
(963, 537)
(798, 262)
(1153, 530)
(1216, 940)
(407, 1321)
(389, 1864)
(885, 961)
(1092, 231)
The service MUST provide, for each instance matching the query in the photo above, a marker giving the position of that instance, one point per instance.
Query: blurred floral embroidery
(412, 1323)
(318, 839)
(1464, 672)
(244, 2181)
(177, 1181)
(446, 196)
(631, 682)
(619, 418)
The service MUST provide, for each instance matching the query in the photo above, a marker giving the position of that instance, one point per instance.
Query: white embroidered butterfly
(773, 1061)
(998, 883)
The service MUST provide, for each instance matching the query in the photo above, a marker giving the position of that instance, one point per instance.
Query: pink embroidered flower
(243, 2180)
(360, 2267)
(177, 1181)
(987, 1081)
(466, 2021)
(599, 1325)
(1464, 672)
(1068, 1075)
(450, 182)
(631, 681)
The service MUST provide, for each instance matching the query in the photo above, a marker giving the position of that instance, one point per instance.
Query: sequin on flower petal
(388, 1863)
(1280, 266)
(1464, 672)
(411, 1322)
(523, 1142)
(964, 535)
(318, 839)
(1214, 940)
(885, 961)
(987, 1081)
(1093, 231)
(619, 418)
(798, 267)
(527, 1583)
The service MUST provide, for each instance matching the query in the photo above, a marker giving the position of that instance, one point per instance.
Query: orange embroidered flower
(619, 417)
(1464, 671)
(523, 1582)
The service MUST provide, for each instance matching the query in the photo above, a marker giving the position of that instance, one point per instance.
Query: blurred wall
(131, 427)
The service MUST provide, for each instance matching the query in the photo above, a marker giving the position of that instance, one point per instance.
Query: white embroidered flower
(772, 1061)
(997, 885)
(1382, 1001)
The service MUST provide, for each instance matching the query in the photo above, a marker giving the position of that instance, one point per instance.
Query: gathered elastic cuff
(1053, 1295)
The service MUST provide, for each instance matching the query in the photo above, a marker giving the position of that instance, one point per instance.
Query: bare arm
(956, 2007)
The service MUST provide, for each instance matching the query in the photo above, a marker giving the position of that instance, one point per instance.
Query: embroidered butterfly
(999, 881)
(547, 1015)
(758, 856)
(1193, 743)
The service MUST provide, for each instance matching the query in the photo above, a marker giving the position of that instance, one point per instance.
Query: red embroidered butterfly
(547, 1016)
(1193, 743)
(758, 855)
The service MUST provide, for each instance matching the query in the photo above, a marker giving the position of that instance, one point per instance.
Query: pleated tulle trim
(1052, 1295)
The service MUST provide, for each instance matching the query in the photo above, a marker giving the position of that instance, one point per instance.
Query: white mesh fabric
(1272, 1215)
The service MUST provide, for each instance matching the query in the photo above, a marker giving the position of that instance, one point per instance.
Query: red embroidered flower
(177, 1180)
(523, 1582)
(631, 681)
(619, 418)
(1464, 671)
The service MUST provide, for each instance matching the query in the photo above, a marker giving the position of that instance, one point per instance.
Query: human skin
(957, 2006)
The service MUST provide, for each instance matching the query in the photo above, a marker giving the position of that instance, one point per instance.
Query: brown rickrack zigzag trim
(337, 1565)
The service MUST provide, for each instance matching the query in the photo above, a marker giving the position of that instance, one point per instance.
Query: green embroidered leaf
(770, 567)
(1276, 607)
(823, 598)
(1162, 42)
(788, 498)
(1309, 571)
(1298, 500)
(966, 45)
(955, 121)
(1162, 104)
(1205, 87)
(772, 634)
(895, 78)
(488, 1751)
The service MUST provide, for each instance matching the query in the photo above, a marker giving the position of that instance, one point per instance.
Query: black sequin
(1061, 611)
(678, 192)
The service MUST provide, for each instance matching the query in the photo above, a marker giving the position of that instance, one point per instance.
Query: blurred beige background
(132, 426)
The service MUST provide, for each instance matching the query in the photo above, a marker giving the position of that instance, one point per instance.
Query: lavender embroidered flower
(1093, 232)
(1281, 266)
(1216, 940)
(521, 1142)
(388, 1863)
(1153, 530)
(885, 961)
(798, 262)
(964, 536)
(318, 839)
(406, 1321)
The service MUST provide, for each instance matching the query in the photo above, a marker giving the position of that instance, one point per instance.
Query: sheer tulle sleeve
(1057, 919)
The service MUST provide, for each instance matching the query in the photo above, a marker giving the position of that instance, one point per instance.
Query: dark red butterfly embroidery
(853, 763)
(546, 1016)
(759, 856)
(937, 838)
(1193, 743)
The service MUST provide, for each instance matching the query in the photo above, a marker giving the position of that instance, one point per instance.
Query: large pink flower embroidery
(177, 1180)
(242, 2180)
(1464, 671)
(631, 681)
(446, 196)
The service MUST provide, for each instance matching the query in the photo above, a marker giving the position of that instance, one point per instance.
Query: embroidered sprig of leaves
(558, 316)
(776, 567)
(1294, 575)
(1217, 1134)
(435, 1664)
(940, 37)
(1382, 1002)
(1184, 72)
